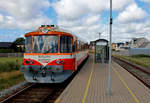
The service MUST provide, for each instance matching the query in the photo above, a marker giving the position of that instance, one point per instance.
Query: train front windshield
(42, 44)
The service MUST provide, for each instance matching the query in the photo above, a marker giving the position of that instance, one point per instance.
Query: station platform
(90, 86)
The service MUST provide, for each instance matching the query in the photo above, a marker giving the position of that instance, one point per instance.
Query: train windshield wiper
(48, 51)
(51, 49)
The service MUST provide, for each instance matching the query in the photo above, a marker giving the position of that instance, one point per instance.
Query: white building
(139, 43)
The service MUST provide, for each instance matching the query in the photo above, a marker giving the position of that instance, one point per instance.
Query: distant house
(145, 45)
(20, 44)
(5, 45)
(114, 45)
(139, 43)
(139, 46)
(119, 46)
(92, 44)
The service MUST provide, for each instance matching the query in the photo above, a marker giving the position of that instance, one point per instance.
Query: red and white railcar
(52, 55)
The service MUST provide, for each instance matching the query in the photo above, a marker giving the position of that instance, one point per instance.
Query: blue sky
(86, 18)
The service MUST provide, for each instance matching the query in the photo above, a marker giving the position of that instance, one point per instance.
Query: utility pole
(110, 47)
(99, 35)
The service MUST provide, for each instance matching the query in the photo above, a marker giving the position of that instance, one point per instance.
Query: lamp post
(110, 47)
(99, 35)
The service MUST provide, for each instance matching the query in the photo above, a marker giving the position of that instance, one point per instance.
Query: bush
(8, 67)
(6, 50)
(10, 64)
(140, 55)
(5, 83)
(143, 60)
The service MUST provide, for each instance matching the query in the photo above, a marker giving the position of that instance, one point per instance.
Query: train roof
(51, 29)
(48, 30)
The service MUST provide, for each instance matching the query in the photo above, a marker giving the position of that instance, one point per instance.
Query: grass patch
(7, 75)
(140, 55)
(143, 60)
(9, 72)
(10, 64)
(12, 80)
(6, 50)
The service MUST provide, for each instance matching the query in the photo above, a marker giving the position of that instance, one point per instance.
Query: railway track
(139, 72)
(39, 93)
(36, 93)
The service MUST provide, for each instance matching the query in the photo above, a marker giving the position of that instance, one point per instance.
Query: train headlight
(27, 61)
(44, 30)
(57, 69)
(31, 61)
(57, 62)
(62, 62)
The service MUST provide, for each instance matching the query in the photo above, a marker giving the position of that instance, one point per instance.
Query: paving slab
(90, 86)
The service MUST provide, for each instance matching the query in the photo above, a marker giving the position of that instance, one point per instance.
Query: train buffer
(90, 86)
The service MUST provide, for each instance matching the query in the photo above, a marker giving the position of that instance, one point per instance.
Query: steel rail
(135, 67)
(16, 93)
(131, 64)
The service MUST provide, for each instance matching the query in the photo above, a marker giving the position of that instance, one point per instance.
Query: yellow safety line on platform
(57, 100)
(125, 84)
(89, 81)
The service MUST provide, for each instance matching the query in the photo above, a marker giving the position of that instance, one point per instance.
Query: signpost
(110, 47)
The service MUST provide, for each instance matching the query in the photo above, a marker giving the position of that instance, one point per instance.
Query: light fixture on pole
(110, 47)
(99, 35)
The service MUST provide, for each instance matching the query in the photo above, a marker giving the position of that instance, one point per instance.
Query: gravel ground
(11, 89)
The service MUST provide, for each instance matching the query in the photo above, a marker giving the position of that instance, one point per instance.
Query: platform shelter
(101, 51)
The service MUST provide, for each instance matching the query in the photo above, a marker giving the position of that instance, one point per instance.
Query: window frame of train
(66, 44)
(101, 51)
(42, 44)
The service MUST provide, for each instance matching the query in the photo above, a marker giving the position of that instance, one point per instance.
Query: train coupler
(43, 73)
(34, 76)
(52, 78)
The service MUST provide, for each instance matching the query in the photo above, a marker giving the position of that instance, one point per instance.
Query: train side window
(65, 44)
(74, 46)
(79, 45)
(28, 43)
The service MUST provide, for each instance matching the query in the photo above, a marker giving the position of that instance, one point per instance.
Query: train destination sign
(44, 58)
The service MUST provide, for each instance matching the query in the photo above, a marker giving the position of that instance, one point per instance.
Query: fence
(136, 51)
(11, 54)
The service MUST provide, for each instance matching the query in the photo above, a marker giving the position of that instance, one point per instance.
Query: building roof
(136, 40)
(5, 44)
(101, 40)
(145, 45)
(21, 43)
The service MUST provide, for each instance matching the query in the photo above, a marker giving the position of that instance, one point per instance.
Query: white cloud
(83, 17)
(86, 28)
(92, 20)
(131, 22)
(132, 13)
(145, 0)
(32, 24)
(126, 31)
(23, 8)
(120, 4)
(74, 9)
(23, 14)
(1, 18)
